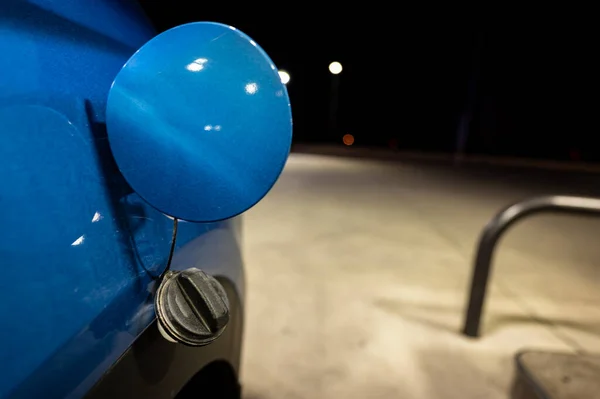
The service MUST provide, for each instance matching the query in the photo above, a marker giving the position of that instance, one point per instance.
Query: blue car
(127, 158)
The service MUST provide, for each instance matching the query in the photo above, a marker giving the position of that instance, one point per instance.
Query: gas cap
(199, 122)
(191, 307)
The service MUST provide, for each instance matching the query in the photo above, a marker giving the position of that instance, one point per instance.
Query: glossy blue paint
(79, 249)
(199, 122)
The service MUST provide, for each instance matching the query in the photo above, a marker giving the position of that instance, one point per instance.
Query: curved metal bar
(492, 233)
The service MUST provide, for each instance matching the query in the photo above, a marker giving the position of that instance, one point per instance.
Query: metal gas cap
(191, 307)
(199, 122)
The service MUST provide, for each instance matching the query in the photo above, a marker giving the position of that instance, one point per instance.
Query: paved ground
(357, 274)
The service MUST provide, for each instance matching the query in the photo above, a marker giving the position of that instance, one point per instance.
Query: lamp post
(464, 124)
(335, 68)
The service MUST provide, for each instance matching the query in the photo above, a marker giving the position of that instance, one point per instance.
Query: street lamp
(335, 68)
(284, 76)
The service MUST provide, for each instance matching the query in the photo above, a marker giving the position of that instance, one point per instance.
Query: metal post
(333, 104)
(492, 233)
(464, 124)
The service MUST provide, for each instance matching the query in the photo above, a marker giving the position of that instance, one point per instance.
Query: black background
(407, 73)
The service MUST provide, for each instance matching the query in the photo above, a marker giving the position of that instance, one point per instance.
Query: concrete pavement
(358, 270)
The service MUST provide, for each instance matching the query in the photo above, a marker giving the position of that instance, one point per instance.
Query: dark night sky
(407, 78)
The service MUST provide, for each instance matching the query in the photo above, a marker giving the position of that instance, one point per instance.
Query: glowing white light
(252, 42)
(335, 67)
(196, 65)
(284, 76)
(208, 128)
(251, 88)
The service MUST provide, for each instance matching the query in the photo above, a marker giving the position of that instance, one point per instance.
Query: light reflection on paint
(251, 88)
(78, 241)
(97, 217)
(196, 65)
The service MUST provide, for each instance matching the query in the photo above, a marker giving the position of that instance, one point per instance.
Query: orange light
(348, 139)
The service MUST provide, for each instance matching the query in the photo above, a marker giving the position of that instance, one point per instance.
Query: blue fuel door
(199, 122)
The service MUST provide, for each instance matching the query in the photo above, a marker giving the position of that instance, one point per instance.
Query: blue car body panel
(80, 251)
